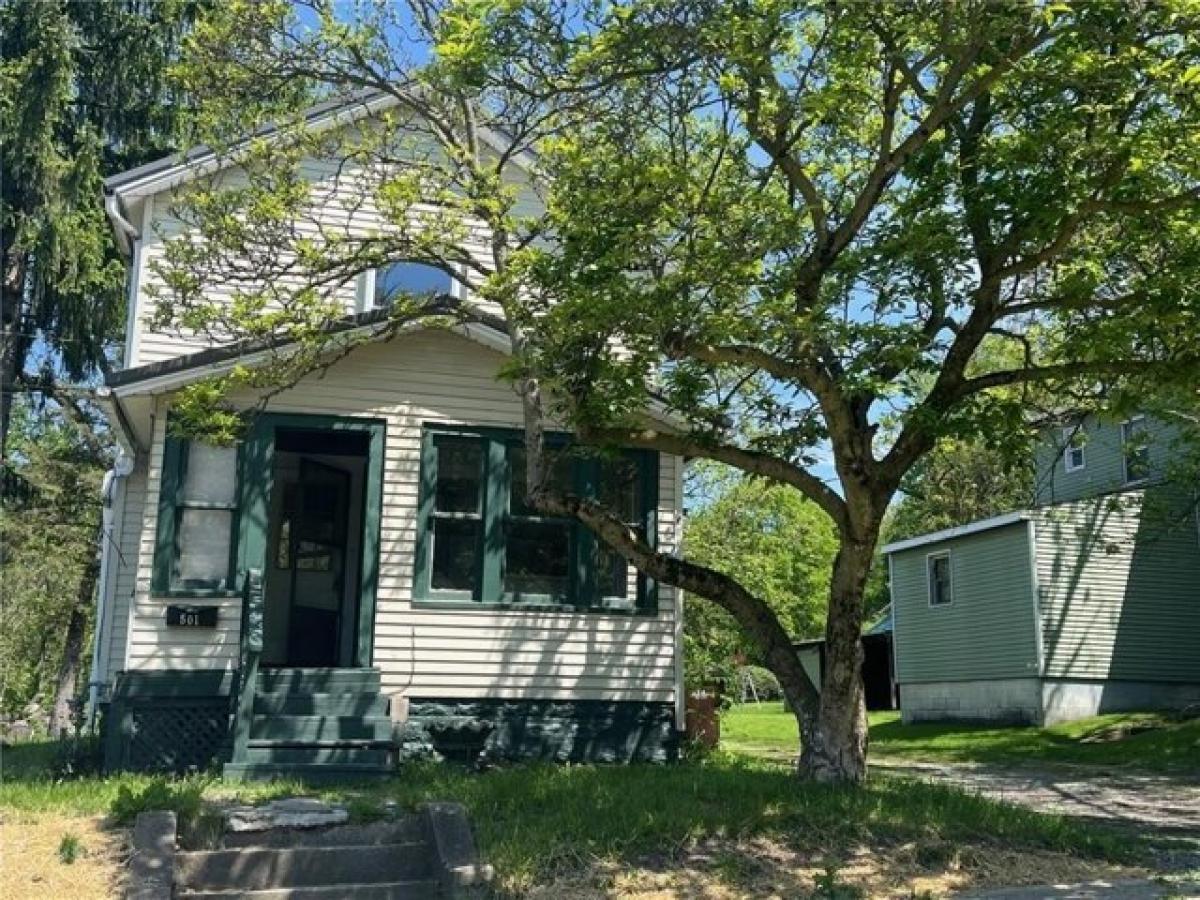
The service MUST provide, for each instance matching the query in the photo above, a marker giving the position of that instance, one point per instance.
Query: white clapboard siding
(340, 207)
(427, 650)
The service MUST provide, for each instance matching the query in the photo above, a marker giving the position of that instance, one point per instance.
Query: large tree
(790, 225)
(83, 93)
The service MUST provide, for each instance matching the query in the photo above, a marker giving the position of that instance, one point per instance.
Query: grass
(1136, 741)
(537, 821)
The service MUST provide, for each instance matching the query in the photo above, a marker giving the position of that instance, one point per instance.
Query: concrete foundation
(1067, 699)
(1038, 701)
(1015, 700)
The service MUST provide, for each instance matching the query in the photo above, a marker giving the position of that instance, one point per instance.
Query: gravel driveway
(1163, 808)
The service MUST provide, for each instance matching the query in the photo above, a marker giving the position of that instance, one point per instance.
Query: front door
(311, 498)
(313, 539)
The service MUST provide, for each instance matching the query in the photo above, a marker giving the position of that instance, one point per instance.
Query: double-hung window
(198, 504)
(1074, 459)
(480, 541)
(941, 586)
(1135, 450)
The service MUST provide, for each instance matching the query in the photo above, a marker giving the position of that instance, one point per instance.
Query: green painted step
(319, 681)
(320, 704)
(320, 728)
(316, 773)
(316, 754)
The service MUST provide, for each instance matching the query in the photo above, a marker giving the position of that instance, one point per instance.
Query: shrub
(182, 796)
(69, 849)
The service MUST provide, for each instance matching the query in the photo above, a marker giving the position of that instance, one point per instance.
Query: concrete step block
(262, 868)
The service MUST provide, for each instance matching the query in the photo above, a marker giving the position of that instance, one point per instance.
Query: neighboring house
(360, 575)
(1087, 603)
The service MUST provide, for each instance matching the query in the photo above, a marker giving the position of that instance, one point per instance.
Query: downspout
(112, 498)
(123, 229)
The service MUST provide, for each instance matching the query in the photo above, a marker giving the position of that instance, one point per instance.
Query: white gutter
(113, 500)
(947, 533)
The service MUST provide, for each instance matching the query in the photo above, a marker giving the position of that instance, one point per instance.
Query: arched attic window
(407, 277)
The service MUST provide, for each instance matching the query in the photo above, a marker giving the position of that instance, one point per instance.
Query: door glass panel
(211, 475)
(455, 554)
(459, 469)
(203, 539)
(537, 558)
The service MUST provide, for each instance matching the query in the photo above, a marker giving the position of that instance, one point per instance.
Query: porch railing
(247, 676)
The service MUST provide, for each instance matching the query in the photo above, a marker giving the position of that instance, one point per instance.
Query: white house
(360, 576)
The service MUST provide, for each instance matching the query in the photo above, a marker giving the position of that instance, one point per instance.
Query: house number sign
(192, 616)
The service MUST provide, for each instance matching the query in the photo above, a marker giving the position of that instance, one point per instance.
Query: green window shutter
(174, 459)
(495, 507)
(647, 595)
(425, 493)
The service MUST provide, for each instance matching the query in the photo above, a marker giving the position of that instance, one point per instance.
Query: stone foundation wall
(1011, 700)
(560, 731)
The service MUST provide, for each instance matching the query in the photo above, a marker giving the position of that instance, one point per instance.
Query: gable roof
(958, 531)
(171, 171)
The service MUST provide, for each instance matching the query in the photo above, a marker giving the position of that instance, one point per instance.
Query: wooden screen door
(317, 509)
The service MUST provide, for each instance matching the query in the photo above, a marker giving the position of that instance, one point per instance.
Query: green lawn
(534, 821)
(1136, 740)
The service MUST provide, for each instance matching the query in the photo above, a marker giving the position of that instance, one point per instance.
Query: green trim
(257, 469)
(168, 488)
(496, 481)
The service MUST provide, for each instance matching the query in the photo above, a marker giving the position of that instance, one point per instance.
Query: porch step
(319, 681)
(309, 773)
(274, 868)
(318, 724)
(288, 703)
(319, 728)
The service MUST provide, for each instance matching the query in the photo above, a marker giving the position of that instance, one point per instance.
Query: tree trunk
(839, 751)
(72, 658)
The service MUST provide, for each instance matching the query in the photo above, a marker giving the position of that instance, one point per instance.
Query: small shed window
(941, 589)
(1135, 449)
(409, 278)
(1073, 453)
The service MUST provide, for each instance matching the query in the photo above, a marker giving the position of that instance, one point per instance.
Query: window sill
(196, 594)
(531, 606)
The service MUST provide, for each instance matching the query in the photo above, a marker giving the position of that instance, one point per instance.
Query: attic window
(409, 278)
(1073, 453)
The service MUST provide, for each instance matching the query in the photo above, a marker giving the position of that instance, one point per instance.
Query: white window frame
(1069, 434)
(1125, 456)
(364, 300)
(929, 558)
